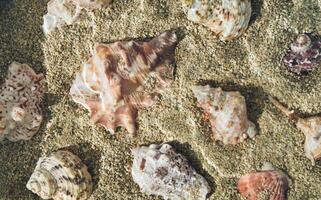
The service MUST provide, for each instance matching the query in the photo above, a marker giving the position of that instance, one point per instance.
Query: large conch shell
(122, 77)
(20, 99)
(61, 176)
(66, 12)
(228, 19)
(274, 181)
(227, 114)
(159, 170)
(311, 127)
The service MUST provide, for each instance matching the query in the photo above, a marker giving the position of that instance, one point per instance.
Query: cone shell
(122, 77)
(61, 175)
(228, 19)
(159, 170)
(20, 99)
(304, 55)
(227, 114)
(66, 12)
(269, 179)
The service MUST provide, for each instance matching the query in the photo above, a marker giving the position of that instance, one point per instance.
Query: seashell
(66, 12)
(159, 170)
(20, 99)
(122, 77)
(268, 179)
(227, 114)
(305, 54)
(228, 19)
(61, 175)
(311, 128)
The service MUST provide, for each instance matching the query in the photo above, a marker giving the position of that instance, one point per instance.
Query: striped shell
(159, 170)
(122, 77)
(228, 19)
(20, 99)
(311, 127)
(61, 176)
(227, 114)
(253, 184)
(66, 12)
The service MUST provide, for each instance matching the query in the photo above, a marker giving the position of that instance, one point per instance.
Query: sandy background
(250, 64)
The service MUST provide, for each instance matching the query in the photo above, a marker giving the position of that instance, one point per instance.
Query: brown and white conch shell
(268, 179)
(159, 170)
(20, 103)
(61, 176)
(122, 77)
(66, 12)
(228, 19)
(311, 127)
(227, 114)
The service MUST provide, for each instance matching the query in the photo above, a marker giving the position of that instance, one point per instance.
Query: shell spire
(274, 181)
(61, 175)
(20, 103)
(311, 127)
(122, 77)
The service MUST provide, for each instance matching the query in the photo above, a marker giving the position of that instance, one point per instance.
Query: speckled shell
(159, 170)
(311, 127)
(66, 12)
(61, 176)
(20, 103)
(227, 114)
(268, 179)
(228, 19)
(122, 77)
(304, 55)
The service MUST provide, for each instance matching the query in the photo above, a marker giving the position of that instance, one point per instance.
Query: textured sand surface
(250, 64)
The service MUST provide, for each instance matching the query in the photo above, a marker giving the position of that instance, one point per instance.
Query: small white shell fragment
(61, 176)
(20, 103)
(228, 19)
(66, 12)
(159, 170)
(227, 114)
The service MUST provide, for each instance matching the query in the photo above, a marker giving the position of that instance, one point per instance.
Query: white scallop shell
(20, 99)
(61, 176)
(228, 19)
(159, 170)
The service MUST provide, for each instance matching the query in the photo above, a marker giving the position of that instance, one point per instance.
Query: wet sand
(250, 64)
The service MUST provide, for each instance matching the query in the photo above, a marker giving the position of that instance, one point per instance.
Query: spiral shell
(304, 55)
(61, 176)
(274, 181)
(227, 114)
(159, 170)
(20, 99)
(122, 77)
(66, 12)
(228, 19)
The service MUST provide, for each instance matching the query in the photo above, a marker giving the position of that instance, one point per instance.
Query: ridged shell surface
(61, 176)
(159, 170)
(227, 114)
(122, 77)
(228, 19)
(20, 103)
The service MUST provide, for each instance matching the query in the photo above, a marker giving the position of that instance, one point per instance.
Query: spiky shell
(228, 19)
(66, 12)
(227, 114)
(20, 103)
(61, 176)
(159, 170)
(122, 77)
(268, 179)
(304, 55)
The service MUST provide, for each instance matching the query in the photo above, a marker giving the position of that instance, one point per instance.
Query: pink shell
(122, 77)
(274, 181)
